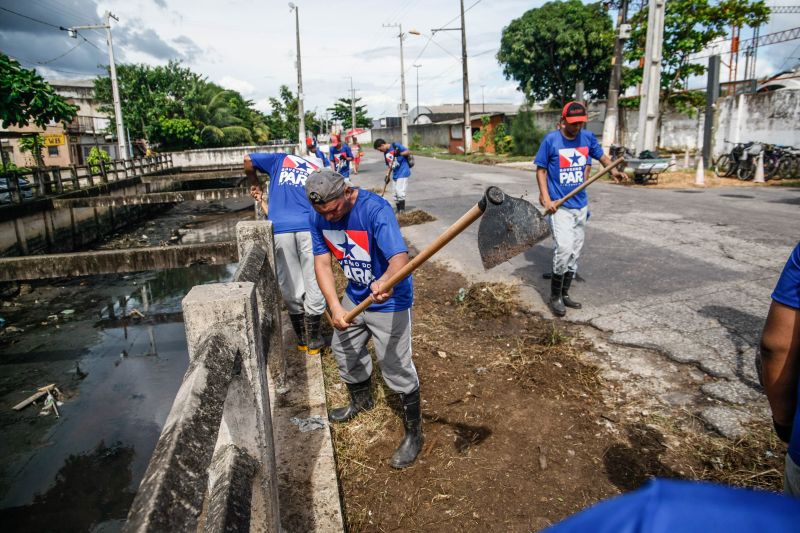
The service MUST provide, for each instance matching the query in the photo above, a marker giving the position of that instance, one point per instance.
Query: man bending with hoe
(360, 230)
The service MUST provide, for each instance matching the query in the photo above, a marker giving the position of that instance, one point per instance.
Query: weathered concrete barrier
(113, 261)
(204, 175)
(220, 157)
(214, 464)
(173, 197)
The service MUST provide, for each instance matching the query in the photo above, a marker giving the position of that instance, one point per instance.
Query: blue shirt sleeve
(317, 240)
(595, 150)
(543, 155)
(348, 152)
(787, 291)
(387, 232)
(267, 162)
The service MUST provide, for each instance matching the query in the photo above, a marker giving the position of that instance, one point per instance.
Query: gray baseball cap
(324, 186)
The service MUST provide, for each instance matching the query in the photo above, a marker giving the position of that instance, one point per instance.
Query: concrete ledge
(195, 176)
(114, 261)
(154, 198)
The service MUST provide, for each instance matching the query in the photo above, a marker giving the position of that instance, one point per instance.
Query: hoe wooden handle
(460, 225)
(588, 182)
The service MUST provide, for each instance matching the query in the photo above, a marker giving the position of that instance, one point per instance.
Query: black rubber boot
(569, 302)
(556, 301)
(298, 323)
(315, 342)
(401, 206)
(360, 400)
(411, 445)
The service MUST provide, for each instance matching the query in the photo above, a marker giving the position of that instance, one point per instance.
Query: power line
(79, 43)
(31, 18)
(459, 15)
(761, 40)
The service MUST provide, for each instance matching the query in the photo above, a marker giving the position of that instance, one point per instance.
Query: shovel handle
(588, 182)
(450, 233)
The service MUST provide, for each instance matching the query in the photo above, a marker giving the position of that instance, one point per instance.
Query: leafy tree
(341, 111)
(25, 97)
(33, 144)
(549, 49)
(282, 120)
(177, 109)
(689, 27)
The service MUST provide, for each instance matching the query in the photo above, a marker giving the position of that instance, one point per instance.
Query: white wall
(231, 156)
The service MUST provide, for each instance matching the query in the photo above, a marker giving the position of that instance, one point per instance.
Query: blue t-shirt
(398, 162)
(288, 205)
(340, 164)
(363, 241)
(666, 506)
(787, 292)
(566, 161)
(320, 154)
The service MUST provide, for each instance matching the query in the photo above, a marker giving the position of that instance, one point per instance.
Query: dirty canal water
(115, 348)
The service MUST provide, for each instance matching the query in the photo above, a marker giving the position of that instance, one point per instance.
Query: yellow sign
(56, 139)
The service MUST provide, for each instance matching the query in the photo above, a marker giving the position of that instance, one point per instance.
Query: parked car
(5, 190)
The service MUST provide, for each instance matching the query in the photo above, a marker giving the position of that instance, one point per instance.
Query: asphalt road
(685, 272)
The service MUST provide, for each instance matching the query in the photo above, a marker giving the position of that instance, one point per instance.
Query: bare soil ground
(520, 429)
(682, 180)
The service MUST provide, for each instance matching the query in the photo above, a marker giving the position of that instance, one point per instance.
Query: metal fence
(19, 187)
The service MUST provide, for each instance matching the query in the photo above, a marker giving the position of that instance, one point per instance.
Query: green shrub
(95, 156)
(526, 135)
(416, 141)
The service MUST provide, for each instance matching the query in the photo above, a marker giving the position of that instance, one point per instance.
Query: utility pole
(417, 67)
(403, 104)
(612, 103)
(300, 112)
(648, 107)
(73, 32)
(467, 130)
(465, 81)
(712, 93)
(352, 105)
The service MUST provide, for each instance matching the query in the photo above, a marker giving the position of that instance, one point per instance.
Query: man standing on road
(289, 211)
(340, 156)
(319, 155)
(780, 366)
(562, 164)
(396, 157)
(360, 230)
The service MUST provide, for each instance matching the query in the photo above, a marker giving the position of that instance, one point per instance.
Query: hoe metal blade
(509, 228)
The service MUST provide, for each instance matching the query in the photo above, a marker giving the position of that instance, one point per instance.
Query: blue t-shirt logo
(351, 249)
(572, 165)
(295, 171)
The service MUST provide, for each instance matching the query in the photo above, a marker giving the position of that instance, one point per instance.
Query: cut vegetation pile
(411, 218)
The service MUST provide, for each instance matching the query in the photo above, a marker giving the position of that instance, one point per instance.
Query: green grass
(475, 157)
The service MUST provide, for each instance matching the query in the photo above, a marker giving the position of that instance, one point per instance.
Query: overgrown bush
(503, 142)
(416, 141)
(95, 156)
(526, 136)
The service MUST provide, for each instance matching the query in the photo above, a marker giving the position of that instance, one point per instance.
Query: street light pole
(648, 107)
(301, 114)
(403, 104)
(417, 67)
(612, 104)
(72, 31)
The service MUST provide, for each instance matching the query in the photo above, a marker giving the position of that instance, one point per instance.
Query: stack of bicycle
(779, 161)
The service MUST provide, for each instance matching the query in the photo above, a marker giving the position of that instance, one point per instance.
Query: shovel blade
(508, 229)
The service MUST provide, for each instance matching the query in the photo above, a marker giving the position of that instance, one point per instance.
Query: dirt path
(521, 427)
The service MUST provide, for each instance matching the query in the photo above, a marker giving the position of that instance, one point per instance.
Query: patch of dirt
(520, 431)
(411, 218)
(680, 180)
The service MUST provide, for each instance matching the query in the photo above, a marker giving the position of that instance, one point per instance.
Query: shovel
(514, 225)
(493, 196)
(387, 180)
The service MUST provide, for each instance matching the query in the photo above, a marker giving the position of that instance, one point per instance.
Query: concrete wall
(431, 134)
(220, 157)
(770, 117)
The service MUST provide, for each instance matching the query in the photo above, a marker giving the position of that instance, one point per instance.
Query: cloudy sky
(250, 46)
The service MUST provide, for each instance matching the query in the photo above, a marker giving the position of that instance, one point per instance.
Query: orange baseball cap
(574, 112)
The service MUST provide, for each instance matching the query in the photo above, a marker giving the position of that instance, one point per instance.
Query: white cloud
(244, 87)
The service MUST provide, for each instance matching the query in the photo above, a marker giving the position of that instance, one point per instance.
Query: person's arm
(544, 194)
(327, 285)
(258, 196)
(780, 360)
(347, 153)
(396, 262)
(250, 172)
(605, 161)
